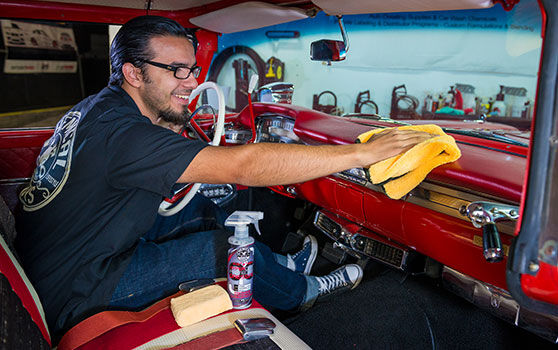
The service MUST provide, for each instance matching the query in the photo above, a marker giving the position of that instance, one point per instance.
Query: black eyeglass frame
(196, 70)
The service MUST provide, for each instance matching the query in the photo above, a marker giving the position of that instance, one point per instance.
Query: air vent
(383, 252)
(366, 245)
(327, 225)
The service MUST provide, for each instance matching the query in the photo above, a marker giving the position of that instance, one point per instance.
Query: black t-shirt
(98, 183)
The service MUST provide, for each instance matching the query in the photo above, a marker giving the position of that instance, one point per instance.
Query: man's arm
(266, 164)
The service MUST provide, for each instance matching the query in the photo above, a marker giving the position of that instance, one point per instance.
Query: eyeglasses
(179, 71)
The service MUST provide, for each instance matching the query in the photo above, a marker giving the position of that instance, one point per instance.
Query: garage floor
(392, 310)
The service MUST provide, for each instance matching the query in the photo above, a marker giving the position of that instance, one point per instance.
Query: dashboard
(432, 220)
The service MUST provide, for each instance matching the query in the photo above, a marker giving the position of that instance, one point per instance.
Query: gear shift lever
(251, 86)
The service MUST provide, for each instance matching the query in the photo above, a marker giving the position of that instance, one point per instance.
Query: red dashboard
(430, 219)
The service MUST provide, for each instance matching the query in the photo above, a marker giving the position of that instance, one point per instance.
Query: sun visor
(353, 7)
(234, 18)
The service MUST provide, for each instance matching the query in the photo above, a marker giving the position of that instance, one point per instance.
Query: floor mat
(393, 310)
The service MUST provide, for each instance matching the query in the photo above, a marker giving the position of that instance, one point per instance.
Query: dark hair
(131, 43)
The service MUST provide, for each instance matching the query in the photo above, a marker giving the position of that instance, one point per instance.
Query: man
(90, 238)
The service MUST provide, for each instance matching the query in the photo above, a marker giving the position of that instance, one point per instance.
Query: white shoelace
(330, 282)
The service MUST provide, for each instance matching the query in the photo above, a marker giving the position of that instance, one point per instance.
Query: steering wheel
(166, 207)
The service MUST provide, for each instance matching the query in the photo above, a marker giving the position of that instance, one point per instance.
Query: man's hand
(389, 143)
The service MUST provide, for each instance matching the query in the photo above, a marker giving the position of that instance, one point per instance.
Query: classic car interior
(467, 258)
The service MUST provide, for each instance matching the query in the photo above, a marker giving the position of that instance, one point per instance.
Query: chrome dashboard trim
(237, 136)
(349, 175)
(453, 203)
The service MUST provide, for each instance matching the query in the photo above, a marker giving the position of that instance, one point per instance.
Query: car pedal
(333, 254)
(292, 242)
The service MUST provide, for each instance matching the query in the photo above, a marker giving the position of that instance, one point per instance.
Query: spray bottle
(498, 107)
(240, 263)
(427, 106)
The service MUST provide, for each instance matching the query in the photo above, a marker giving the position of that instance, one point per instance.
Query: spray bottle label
(240, 270)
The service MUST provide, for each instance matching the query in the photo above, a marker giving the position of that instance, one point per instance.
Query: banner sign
(37, 36)
(35, 66)
(51, 40)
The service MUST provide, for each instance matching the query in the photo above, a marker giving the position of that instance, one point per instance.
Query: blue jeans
(193, 244)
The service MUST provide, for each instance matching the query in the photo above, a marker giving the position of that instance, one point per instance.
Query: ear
(132, 75)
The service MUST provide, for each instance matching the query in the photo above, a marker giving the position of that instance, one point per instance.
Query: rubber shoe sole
(313, 254)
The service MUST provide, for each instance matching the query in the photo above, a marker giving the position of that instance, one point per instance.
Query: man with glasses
(90, 237)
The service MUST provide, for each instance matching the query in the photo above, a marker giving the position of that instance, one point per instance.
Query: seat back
(22, 320)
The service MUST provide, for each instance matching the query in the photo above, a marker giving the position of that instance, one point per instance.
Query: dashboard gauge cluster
(236, 136)
(220, 194)
(277, 129)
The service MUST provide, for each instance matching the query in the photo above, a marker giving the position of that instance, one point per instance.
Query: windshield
(472, 72)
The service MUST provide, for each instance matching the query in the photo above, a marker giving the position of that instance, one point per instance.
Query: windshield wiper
(486, 134)
(374, 117)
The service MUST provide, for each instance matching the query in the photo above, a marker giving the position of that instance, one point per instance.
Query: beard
(178, 118)
(155, 103)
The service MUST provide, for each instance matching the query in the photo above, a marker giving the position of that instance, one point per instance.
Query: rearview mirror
(327, 50)
(331, 50)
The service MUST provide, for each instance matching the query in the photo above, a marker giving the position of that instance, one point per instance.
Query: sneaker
(344, 278)
(303, 260)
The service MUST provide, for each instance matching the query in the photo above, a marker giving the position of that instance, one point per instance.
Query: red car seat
(23, 325)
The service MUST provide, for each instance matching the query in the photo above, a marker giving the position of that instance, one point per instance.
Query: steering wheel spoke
(199, 131)
(179, 194)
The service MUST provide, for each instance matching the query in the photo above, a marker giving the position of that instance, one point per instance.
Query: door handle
(485, 215)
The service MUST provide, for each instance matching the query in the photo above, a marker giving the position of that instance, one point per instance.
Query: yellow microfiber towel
(402, 173)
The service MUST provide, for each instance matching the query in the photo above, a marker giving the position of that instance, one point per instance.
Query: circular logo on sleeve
(53, 164)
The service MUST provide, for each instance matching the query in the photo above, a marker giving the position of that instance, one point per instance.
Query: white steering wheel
(167, 208)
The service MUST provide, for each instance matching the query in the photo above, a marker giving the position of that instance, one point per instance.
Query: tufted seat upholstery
(22, 321)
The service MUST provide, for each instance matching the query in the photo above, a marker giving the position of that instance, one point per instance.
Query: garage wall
(42, 90)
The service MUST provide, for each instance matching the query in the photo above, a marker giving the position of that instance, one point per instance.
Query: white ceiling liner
(169, 5)
(353, 7)
(246, 16)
